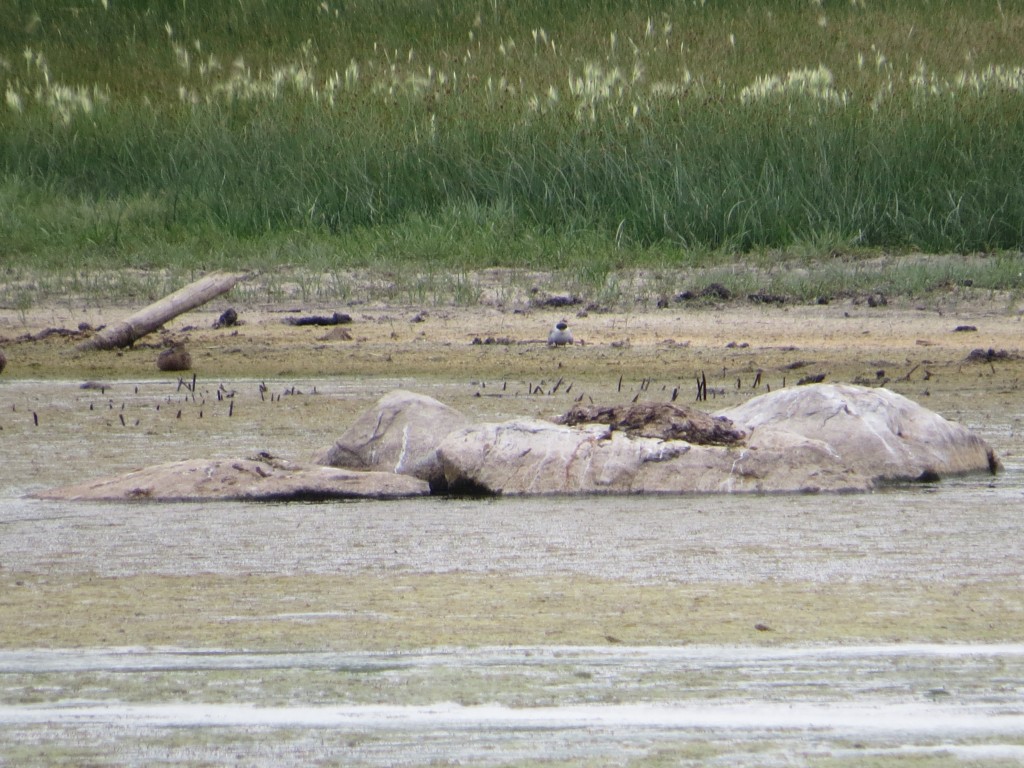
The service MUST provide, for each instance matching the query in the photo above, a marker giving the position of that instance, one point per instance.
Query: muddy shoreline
(897, 343)
(272, 369)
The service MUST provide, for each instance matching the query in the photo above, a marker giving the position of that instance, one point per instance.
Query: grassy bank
(446, 138)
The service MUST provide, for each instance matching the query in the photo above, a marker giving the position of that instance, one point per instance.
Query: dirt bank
(922, 349)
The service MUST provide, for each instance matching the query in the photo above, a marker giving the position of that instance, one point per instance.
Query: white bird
(560, 335)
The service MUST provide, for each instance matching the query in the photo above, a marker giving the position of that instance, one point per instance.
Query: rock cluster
(810, 439)
(818, 438)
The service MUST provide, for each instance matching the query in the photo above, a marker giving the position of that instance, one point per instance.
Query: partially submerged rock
(806, 439)
(872, 430)
(400, 433)
(263, 478)
(529, 456)
(811, 439)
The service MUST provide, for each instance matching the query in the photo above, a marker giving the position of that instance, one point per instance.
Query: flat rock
(263, 478)
(400, 433)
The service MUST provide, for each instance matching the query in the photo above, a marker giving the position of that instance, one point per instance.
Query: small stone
(877, 300)
(174, 359)
(227, 318)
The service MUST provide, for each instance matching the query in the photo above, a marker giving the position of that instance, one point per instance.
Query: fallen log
(144, 321)
(338, 318)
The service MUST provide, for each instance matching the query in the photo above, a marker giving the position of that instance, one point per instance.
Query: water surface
(764, 703)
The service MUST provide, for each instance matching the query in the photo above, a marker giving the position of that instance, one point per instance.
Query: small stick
(907, 377)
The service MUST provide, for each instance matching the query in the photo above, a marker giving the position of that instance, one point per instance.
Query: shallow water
(910, 535)
(486, 706)
(732, 705)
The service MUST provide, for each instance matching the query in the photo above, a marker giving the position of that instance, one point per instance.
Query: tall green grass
(472, 134)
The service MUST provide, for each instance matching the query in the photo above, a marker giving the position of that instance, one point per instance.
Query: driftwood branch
(152, 317)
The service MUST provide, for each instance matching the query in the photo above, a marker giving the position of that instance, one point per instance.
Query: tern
(560, 335)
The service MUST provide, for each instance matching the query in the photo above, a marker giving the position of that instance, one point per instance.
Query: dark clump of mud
(337, 318)
(988, 355)
(175, 358)
(660, 420)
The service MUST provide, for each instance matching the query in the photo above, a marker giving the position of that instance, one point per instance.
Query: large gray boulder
(263, 478)
(818, 438)
(872, 431)
(400, 433)
(527, 456)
